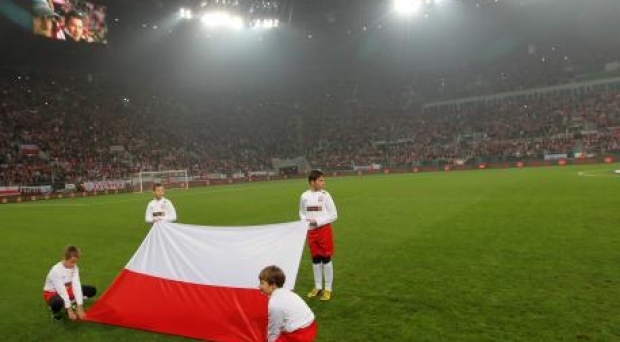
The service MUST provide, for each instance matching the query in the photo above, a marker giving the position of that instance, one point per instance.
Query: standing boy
(290, 318)
(63, 287)
(160, 208)
(317, 209)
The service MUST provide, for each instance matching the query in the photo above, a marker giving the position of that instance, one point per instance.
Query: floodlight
(222, 19)
(236, 23)
(185, 13)
(407, 6)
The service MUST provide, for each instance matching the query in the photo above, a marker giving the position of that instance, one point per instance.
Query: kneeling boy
(63, 286)
(290, 318)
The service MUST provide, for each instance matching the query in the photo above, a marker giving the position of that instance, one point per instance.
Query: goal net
(171, 179)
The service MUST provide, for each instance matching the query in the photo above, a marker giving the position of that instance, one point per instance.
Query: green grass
(494, 255)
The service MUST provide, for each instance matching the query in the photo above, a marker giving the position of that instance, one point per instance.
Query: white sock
(329, 275)
(318, 275)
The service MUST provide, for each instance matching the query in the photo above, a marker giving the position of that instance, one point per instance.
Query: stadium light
(236, 23)
(222, 20)
(185, 13)
(265, 23)
(407, 7)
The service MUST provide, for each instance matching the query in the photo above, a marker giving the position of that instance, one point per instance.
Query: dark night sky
(457, 34)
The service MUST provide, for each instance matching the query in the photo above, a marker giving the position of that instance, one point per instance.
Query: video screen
(70, 20)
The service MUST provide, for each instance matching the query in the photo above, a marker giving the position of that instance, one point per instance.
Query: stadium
(470, 147)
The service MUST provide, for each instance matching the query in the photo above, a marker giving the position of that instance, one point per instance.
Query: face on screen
(75, 28)
(69, 20)
(42, 26)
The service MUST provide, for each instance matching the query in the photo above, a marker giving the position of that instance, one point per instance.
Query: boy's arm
(276, 321)
(149, 214)
(76, 284)
(59, 287)
(77, 287)
(302, 209)
(171, 214)
(330, 211)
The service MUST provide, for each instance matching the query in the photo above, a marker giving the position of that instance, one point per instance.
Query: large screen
(69, 20)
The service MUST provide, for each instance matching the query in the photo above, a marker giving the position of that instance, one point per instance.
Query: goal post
(171, 179)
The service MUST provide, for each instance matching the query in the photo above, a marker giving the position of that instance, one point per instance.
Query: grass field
(494, 255)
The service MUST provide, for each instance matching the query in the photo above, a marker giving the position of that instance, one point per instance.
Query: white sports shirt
(287, 312)
(162, 209)
(59, 277)
(317, 205)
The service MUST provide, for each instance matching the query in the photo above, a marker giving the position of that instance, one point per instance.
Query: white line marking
(41, 205)
(597, 174)
(200, 191)
(182, 195)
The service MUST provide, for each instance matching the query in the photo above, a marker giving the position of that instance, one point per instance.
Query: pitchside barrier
(13, 197)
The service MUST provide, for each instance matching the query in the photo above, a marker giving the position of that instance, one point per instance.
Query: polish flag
(201, 282)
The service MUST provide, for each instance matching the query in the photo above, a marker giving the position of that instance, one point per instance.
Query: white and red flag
(201, 282)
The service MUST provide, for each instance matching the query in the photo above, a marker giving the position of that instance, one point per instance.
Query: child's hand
(71, 314)
(80, 313)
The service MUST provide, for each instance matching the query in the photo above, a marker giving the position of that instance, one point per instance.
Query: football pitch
(496, 255)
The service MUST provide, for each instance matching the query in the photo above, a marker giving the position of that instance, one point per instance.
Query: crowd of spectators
(531, 65)
(377, 133)
(69, 128)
